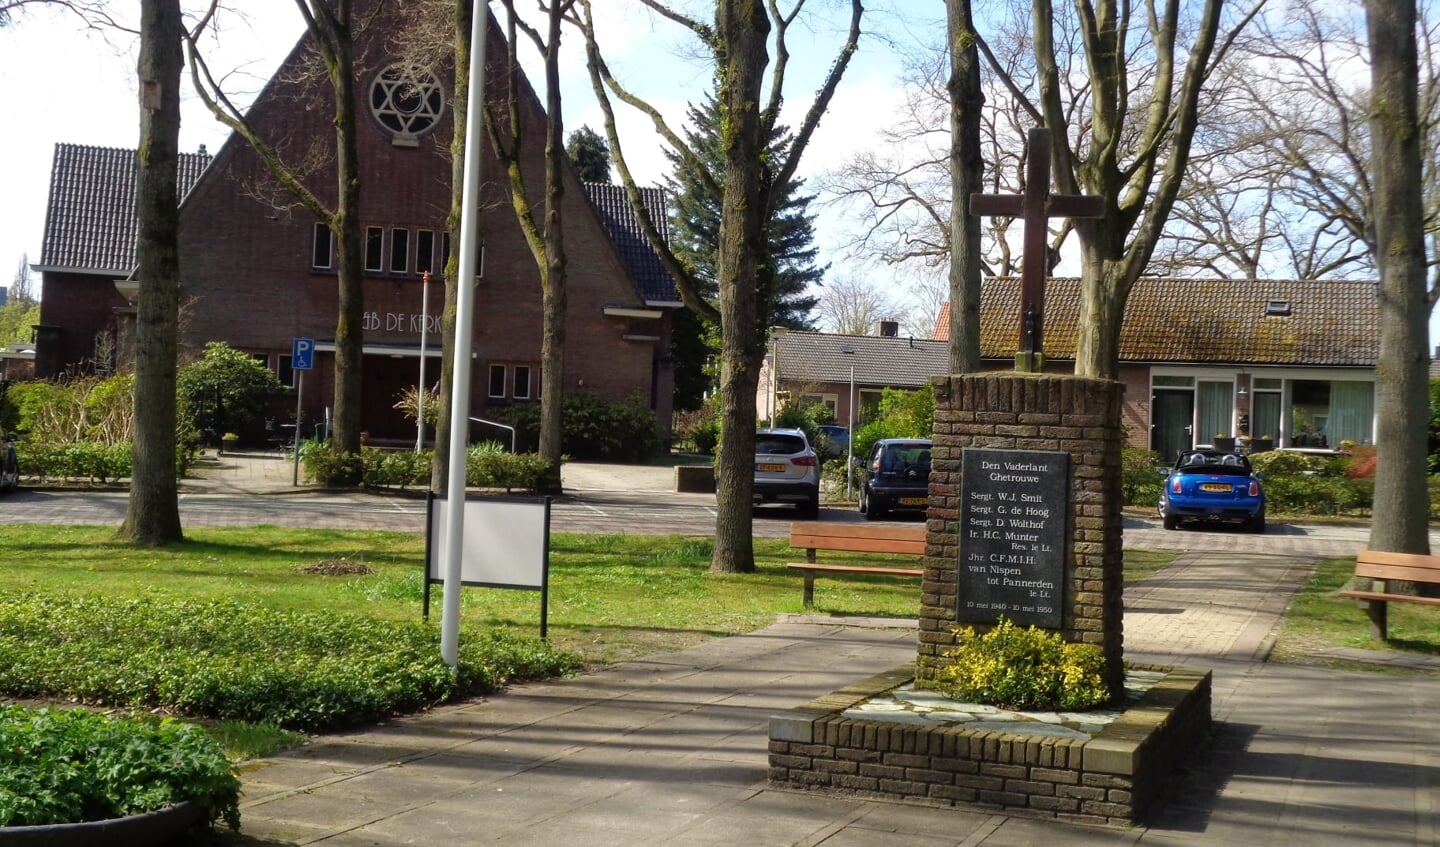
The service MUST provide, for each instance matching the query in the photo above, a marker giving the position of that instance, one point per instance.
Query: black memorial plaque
(1013, 513)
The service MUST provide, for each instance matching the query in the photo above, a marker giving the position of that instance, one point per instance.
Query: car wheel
(809, 510)
(1169, 520)
(873, 512)
(1257, 523)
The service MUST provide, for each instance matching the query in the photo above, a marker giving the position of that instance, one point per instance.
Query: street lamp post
(850, 439)
(420, 394)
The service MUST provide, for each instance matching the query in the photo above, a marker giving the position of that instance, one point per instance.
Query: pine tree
(695, 236)
(589, 154)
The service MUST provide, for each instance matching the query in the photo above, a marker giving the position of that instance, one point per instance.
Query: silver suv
(787, 470)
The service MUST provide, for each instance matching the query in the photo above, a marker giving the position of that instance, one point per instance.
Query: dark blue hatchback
(1211, 486)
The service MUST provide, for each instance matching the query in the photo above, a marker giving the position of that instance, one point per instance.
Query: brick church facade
(257, 269)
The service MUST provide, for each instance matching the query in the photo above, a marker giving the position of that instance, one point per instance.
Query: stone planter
(1112, 778)
(151, 829)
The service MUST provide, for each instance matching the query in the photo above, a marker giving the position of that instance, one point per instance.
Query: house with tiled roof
(258, 270)
(1291, 362)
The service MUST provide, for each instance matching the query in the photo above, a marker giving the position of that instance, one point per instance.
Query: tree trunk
(742, 29)
(1102, 309)
(552, 346)
(1401, 385)
(153, 514)
(460, 106)
(349, 326)
(967, 173)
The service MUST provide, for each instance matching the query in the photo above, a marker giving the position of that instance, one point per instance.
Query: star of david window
(407, 101)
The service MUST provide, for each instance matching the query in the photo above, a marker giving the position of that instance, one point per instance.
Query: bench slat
(858, 545)
(1417, 561)
(1393, 598)
(1397, 571)
(864, 569)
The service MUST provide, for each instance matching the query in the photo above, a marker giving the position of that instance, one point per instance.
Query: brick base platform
(1112, 778)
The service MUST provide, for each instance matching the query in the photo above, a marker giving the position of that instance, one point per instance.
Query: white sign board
(506, 543)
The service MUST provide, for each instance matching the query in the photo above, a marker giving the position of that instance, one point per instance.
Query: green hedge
(485, 467)
(82, 460)
(305, 671)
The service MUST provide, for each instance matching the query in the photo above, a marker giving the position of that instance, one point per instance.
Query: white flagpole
(464, 331)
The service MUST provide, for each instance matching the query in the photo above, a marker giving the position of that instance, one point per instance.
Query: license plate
(1215, 486)
(768, 467)
(912, 501)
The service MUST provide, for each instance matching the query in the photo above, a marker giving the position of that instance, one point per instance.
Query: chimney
(889, 329)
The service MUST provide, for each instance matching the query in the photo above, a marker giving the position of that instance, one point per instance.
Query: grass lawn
(612, 597)
(1318, 620)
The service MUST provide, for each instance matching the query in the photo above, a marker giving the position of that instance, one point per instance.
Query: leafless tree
(153, 514)
(1124, 135)
(1401, 386)
(331, 27)
(739, 42)
(546, 238)
(967, 171)
(851, 306)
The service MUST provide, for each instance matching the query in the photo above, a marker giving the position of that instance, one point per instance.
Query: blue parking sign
(302, 354)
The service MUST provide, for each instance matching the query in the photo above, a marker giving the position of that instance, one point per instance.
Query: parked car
(837, 435)
(787, 470)
(9, 465)
(897, 477)
(1210, 485)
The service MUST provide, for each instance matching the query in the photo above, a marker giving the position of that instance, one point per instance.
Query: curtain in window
(1352, 413)
(1265, 415)
(1215, 413)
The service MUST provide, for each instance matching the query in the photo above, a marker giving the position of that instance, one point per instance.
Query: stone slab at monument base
(1112, 778)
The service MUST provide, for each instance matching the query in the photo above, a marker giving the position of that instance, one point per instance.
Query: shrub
(901, 414)
(592, 428)
(1314, 495)
(88, 409)
(1140, 482)
(330, 466)
(1024, 669)
(510, 471)
(72, 766)
(1289, 463)
(224, 390)
(396, 468)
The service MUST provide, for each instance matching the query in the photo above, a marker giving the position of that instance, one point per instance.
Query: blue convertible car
(1208, 485)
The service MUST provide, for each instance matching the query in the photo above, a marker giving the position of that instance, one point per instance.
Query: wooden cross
(1035, 206)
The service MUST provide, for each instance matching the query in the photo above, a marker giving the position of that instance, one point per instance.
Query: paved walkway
(671, 750)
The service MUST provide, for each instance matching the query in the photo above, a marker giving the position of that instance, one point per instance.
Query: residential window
(374, 249)
(284, 370)
(444, 251)
(829, 401)
(424, 251)
(399, 251)
(497, 381)
(522, 382)
(323, 254)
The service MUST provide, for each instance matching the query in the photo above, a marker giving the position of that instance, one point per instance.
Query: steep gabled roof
(610, 204)
(90, 220)
(1225, 321)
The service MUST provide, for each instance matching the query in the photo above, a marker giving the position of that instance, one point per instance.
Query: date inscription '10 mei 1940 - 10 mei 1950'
(1012, 536)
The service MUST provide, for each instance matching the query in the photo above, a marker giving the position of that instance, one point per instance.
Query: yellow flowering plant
(1023, 669)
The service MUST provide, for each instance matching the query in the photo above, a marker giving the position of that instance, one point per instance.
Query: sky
(89, 97)
(62, 83)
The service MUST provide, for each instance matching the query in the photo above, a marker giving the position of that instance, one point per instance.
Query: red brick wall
(248, 271)
(78, 306)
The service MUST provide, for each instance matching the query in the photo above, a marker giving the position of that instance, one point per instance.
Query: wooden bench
(857, 538)
(1409, 567)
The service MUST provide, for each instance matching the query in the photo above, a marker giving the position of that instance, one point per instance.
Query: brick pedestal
(1015, 411)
